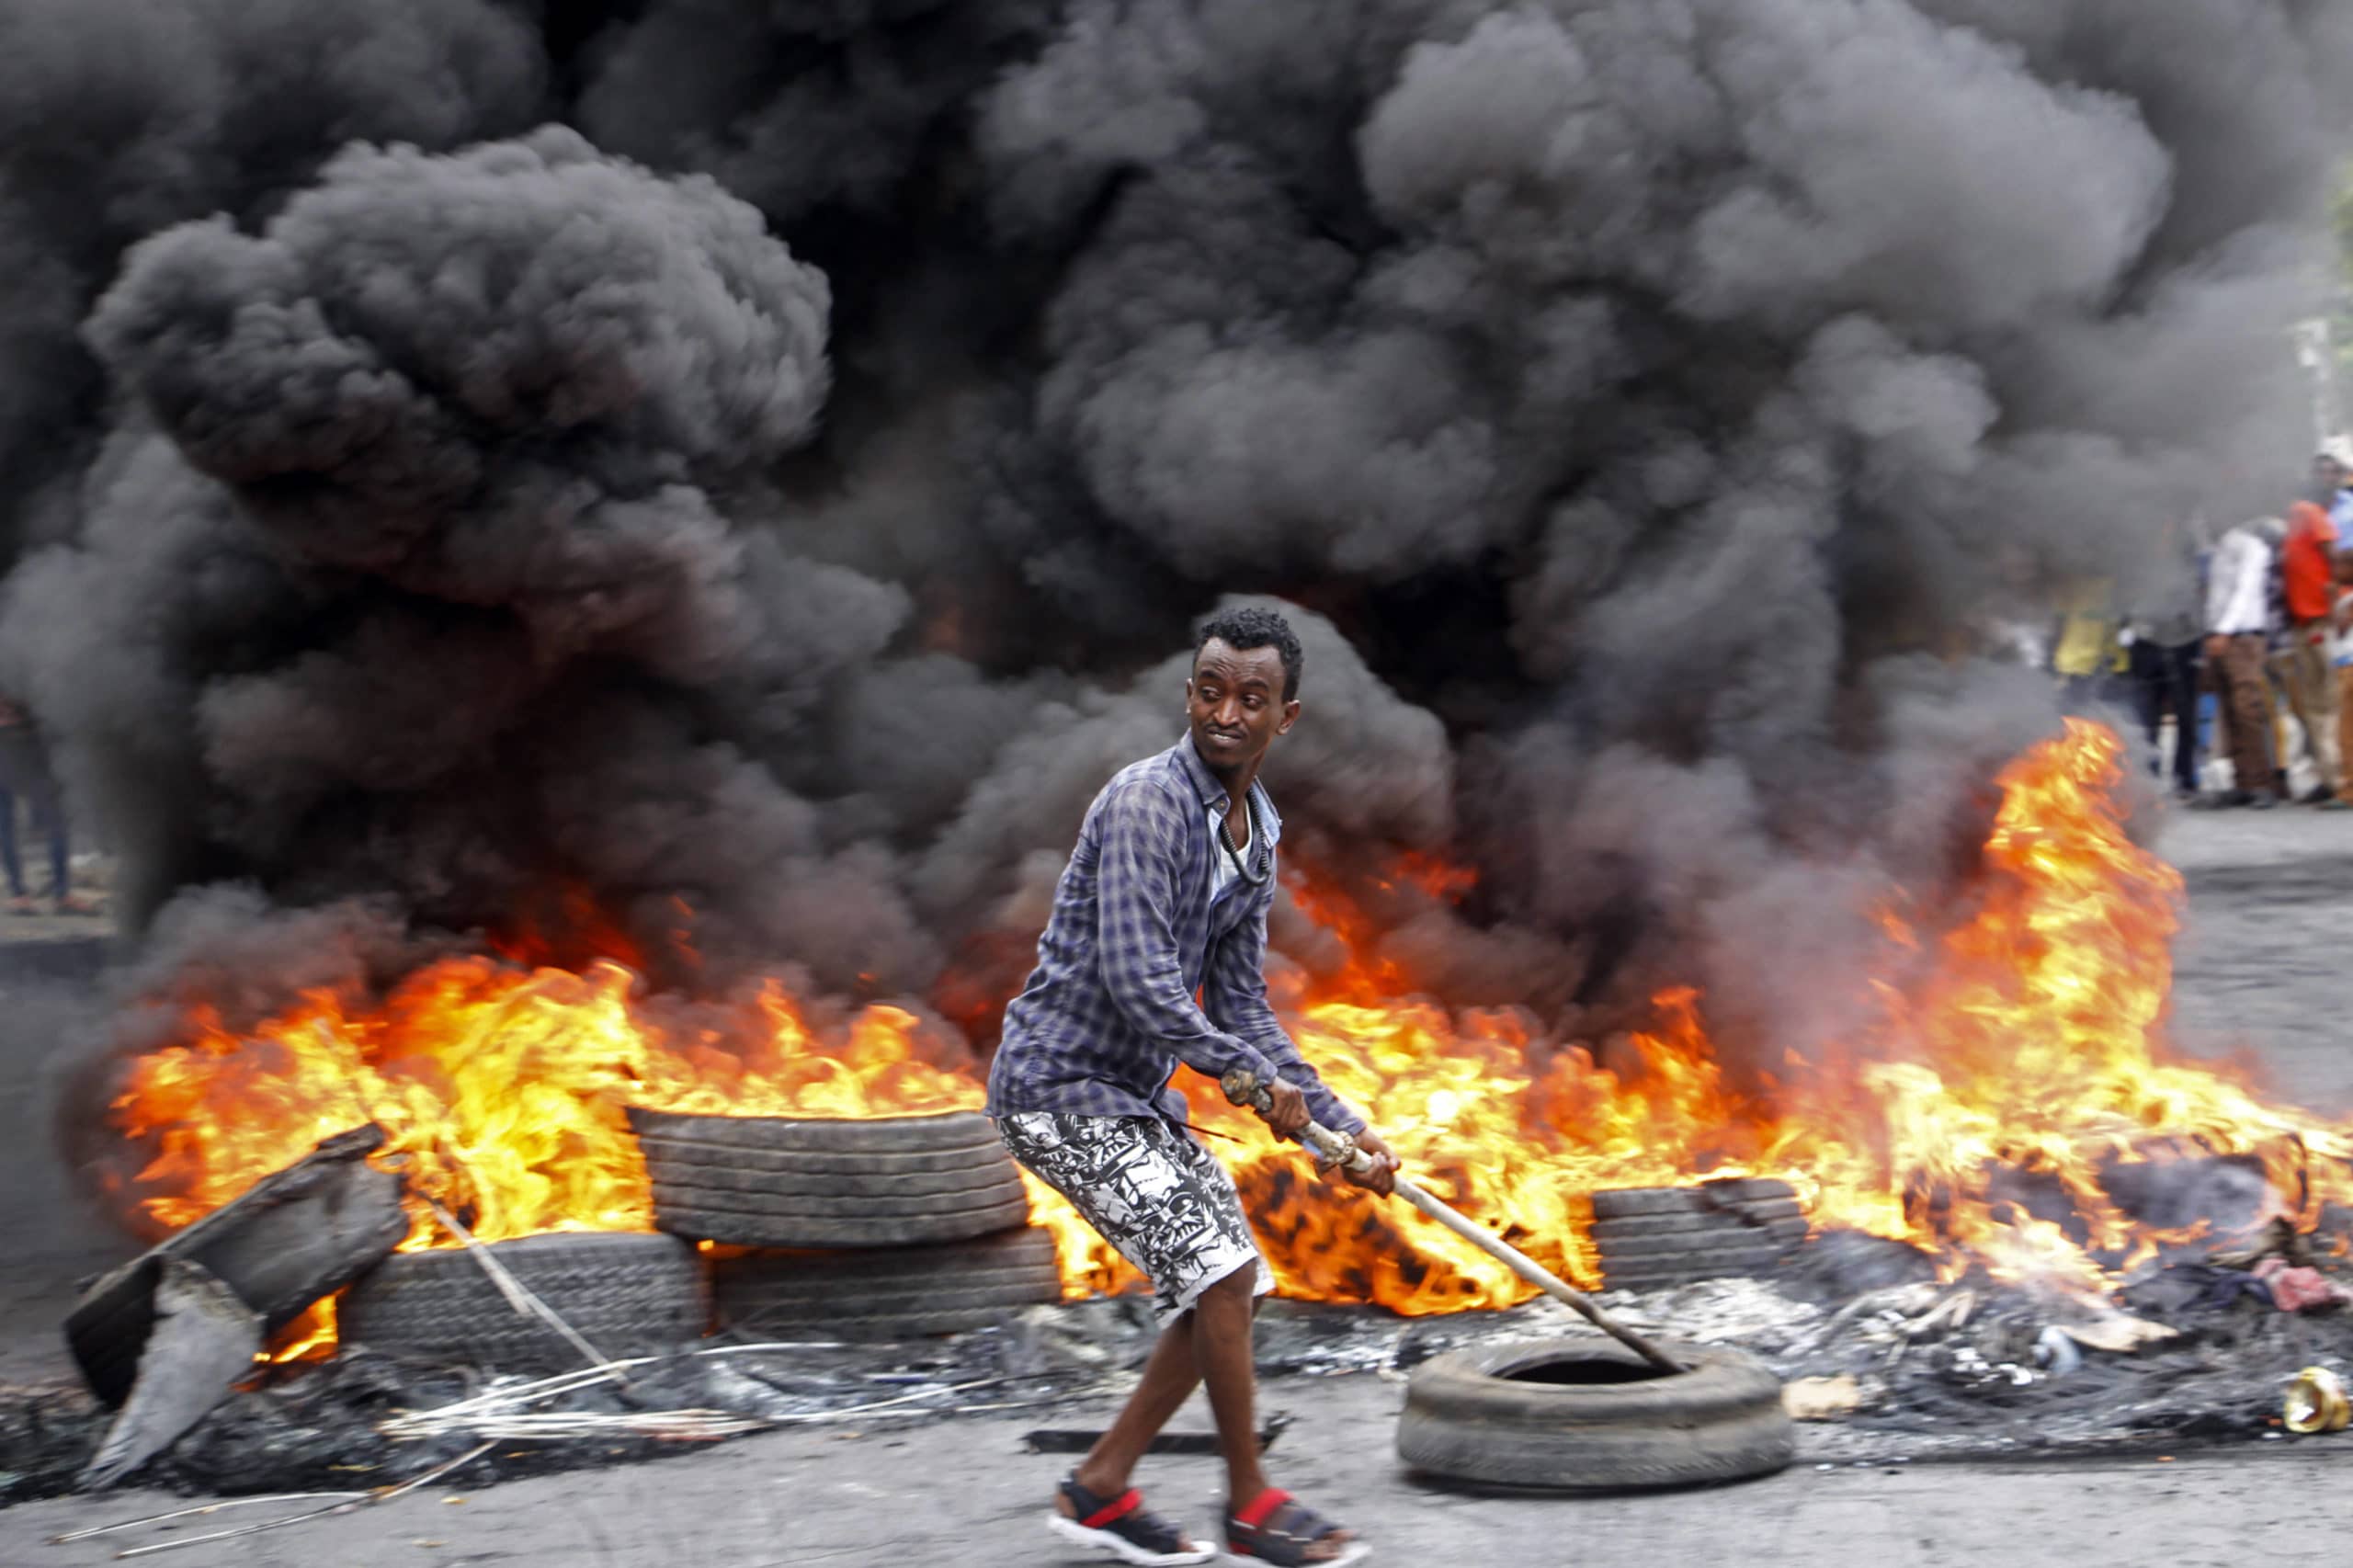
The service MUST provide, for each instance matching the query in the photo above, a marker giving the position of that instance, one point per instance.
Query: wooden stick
(518, 1295)
(1341, 1150)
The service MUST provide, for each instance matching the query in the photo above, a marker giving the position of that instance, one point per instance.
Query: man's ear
(1290, 717)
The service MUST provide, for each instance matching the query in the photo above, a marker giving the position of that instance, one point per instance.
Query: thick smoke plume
(771, 496)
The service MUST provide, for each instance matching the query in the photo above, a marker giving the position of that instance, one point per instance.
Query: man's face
(1235, 703)
(2328, 477)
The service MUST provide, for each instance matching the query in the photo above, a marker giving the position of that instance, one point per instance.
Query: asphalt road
(2270, 930)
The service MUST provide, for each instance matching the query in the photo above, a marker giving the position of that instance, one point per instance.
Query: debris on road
(203, 1342)
(1821, 1399)
(290, 1239)
(2316, 1402)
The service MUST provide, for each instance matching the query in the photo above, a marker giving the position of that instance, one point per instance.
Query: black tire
(1631, 1202)
(625, 1294)
(1742, 1246)
(1651, 1275)
(1472, 1415)
(887, 1294)
(782, 1182)
(1763, 1213)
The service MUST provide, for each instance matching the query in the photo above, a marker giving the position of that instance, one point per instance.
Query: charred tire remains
(1672, 1236)
(625, 1294)
(896, 1293)
(777, 1182)
(292, 1238)
(1579, 1415)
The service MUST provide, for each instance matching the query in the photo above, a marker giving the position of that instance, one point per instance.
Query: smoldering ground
(775, 487)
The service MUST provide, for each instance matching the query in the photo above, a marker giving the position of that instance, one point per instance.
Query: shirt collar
(1212, 793)
(1197, 772)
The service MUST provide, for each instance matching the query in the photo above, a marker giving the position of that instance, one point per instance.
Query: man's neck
(1235, 781)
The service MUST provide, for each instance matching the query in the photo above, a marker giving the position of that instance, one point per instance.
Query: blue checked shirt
(1136, 933)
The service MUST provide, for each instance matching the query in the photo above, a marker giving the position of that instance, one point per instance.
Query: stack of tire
(1650, 1237)
(886, 1229)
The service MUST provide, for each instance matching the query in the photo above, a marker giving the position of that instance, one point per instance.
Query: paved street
(2271, 921)
(966, 1495)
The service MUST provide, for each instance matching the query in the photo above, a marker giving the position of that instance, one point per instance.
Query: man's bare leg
(1221, 1320)
(1170, 1375)
(1222, 1325)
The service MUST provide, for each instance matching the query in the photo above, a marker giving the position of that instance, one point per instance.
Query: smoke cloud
(781, 485)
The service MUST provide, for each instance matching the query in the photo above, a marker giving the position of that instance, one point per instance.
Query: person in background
(2341, 648)
(2237, 633)
(2302, 663)
(2162, 644)
(23, 770)
(2083, 654)
(2333, 486)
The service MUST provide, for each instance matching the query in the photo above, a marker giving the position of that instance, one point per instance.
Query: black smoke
(781, 484)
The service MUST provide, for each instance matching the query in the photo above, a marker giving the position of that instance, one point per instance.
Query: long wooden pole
(1241, 1088)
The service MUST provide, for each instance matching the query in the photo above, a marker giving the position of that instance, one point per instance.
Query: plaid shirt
(1109, 1010)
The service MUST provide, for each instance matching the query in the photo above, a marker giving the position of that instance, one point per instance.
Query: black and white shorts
(1161, 1199)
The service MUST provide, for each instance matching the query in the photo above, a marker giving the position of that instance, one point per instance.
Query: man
(2237, 632)
(1166, 896)
(24, 771)
(2163, 650)
(2301, 664)
(2333, 486)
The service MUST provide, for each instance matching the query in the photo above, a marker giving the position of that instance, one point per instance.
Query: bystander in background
(2162, 649)
(2302, 663)
(2238, 628)
(25, 774)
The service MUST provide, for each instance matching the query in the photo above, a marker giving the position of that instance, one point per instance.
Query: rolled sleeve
(1139, 849)
(1235, 990)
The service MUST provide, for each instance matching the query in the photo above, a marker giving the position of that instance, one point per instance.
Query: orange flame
(2026, 1039)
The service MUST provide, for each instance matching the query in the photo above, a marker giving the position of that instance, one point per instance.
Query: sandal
(1280, 1530)
(1123, 1527)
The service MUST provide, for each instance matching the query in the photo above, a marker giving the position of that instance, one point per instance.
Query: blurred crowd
(2241, 672)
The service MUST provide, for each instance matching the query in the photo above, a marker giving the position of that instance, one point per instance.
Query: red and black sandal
(1123, 1527)
(1279, 1529)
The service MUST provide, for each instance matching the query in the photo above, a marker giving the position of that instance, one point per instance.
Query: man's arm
(1138, 852)
(1235, 991)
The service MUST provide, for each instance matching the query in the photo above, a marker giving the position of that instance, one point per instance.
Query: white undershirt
(1222, 871)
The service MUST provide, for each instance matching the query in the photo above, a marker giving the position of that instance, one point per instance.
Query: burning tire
(777, 1182)
(1767, 1214)
(1673, 1235)
(1711, 1196)
(625, 1294)
(893, 1293)
(1580, 1414)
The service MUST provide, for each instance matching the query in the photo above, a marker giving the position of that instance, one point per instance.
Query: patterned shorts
(1161, 1199)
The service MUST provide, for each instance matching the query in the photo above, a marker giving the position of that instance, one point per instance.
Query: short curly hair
(1250, 627)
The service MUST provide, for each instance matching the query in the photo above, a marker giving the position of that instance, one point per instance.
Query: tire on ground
(1683, 1268)
(785, 1182)
(625, 1294)
(887, 1294)
(1478, 1416)
(1699, 1247)
(1631, 1202)
(1764, 1212)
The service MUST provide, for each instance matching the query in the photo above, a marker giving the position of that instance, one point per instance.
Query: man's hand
(2217, 645)
(1286, 1111)
(1381, 1177)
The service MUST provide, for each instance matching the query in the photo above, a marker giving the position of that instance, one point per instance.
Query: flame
(503, 1091)
(2020, 1043)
